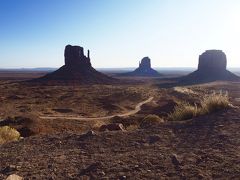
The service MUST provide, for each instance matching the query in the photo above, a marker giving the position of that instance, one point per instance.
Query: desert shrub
(183, 111)
(8, 134)
(151, 120)
(208, 104)
(132, 127)
(215, 102)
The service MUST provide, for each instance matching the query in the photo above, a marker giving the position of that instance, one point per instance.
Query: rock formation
(77, 69)
(144, 69)
(212, 60)
(212, 66)
(74, 56)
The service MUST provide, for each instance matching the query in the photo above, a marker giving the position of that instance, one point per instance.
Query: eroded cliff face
(212, 60)
(74, 56)
(145, 63)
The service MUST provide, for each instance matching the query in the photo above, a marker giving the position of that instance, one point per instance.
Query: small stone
(88, 134)
(102, 173)
(9, 169)
(112, 127)
(201, 176)
(175, 160)
(122, 177)
(91, 133)
(154, 138)
(14, 177)
(91, 168)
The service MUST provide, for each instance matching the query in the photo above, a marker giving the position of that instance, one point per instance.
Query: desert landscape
(132, 128)
(125, 90)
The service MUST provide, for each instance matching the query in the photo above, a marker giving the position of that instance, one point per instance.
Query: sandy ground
(129, 113)
(206, 147)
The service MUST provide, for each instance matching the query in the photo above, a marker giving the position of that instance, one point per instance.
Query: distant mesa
(212, 66)
(144, 69)
(77, 69)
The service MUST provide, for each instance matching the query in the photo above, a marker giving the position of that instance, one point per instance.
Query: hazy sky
(173, 33)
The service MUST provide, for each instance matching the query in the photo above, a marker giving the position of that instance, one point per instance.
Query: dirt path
(137, 109)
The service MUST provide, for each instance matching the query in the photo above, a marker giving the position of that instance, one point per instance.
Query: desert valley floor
(56, 122)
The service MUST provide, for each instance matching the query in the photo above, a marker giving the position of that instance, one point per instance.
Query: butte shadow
(77, 70)
(212, 66)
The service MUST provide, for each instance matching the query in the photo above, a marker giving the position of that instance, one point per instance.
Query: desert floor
(54, 121)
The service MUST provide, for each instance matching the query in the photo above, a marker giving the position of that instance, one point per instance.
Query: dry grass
(208, 104)
(151, 120)
(215, 102)
(184, 111)
(8, 134)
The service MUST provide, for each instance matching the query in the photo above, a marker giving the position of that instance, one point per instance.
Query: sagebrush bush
(150, 121)
(214, 102)
(8, 134)
(184, 111)
(208, 104)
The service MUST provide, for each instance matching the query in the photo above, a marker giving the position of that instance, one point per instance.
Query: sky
(118, 33)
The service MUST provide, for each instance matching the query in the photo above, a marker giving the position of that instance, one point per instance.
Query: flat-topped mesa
(212, 66)
(212, 60)
(145, 63)
(74, 56)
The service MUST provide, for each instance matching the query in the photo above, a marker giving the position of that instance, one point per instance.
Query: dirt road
(137, 109)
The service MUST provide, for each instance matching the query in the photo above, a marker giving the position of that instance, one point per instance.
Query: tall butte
(77, 69)
(212, 66)
(144, 69)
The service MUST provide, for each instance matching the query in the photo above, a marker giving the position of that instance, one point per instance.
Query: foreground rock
(207, 147)
(144, 69)
(212, 66)
(112, 127)
(14, 177)
(77, 69)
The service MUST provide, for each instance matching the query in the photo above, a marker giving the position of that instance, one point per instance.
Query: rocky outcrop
(77, 70)
(144, 69)
(212, 60)
(212, 66)
(145, 64)
(74, 56)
